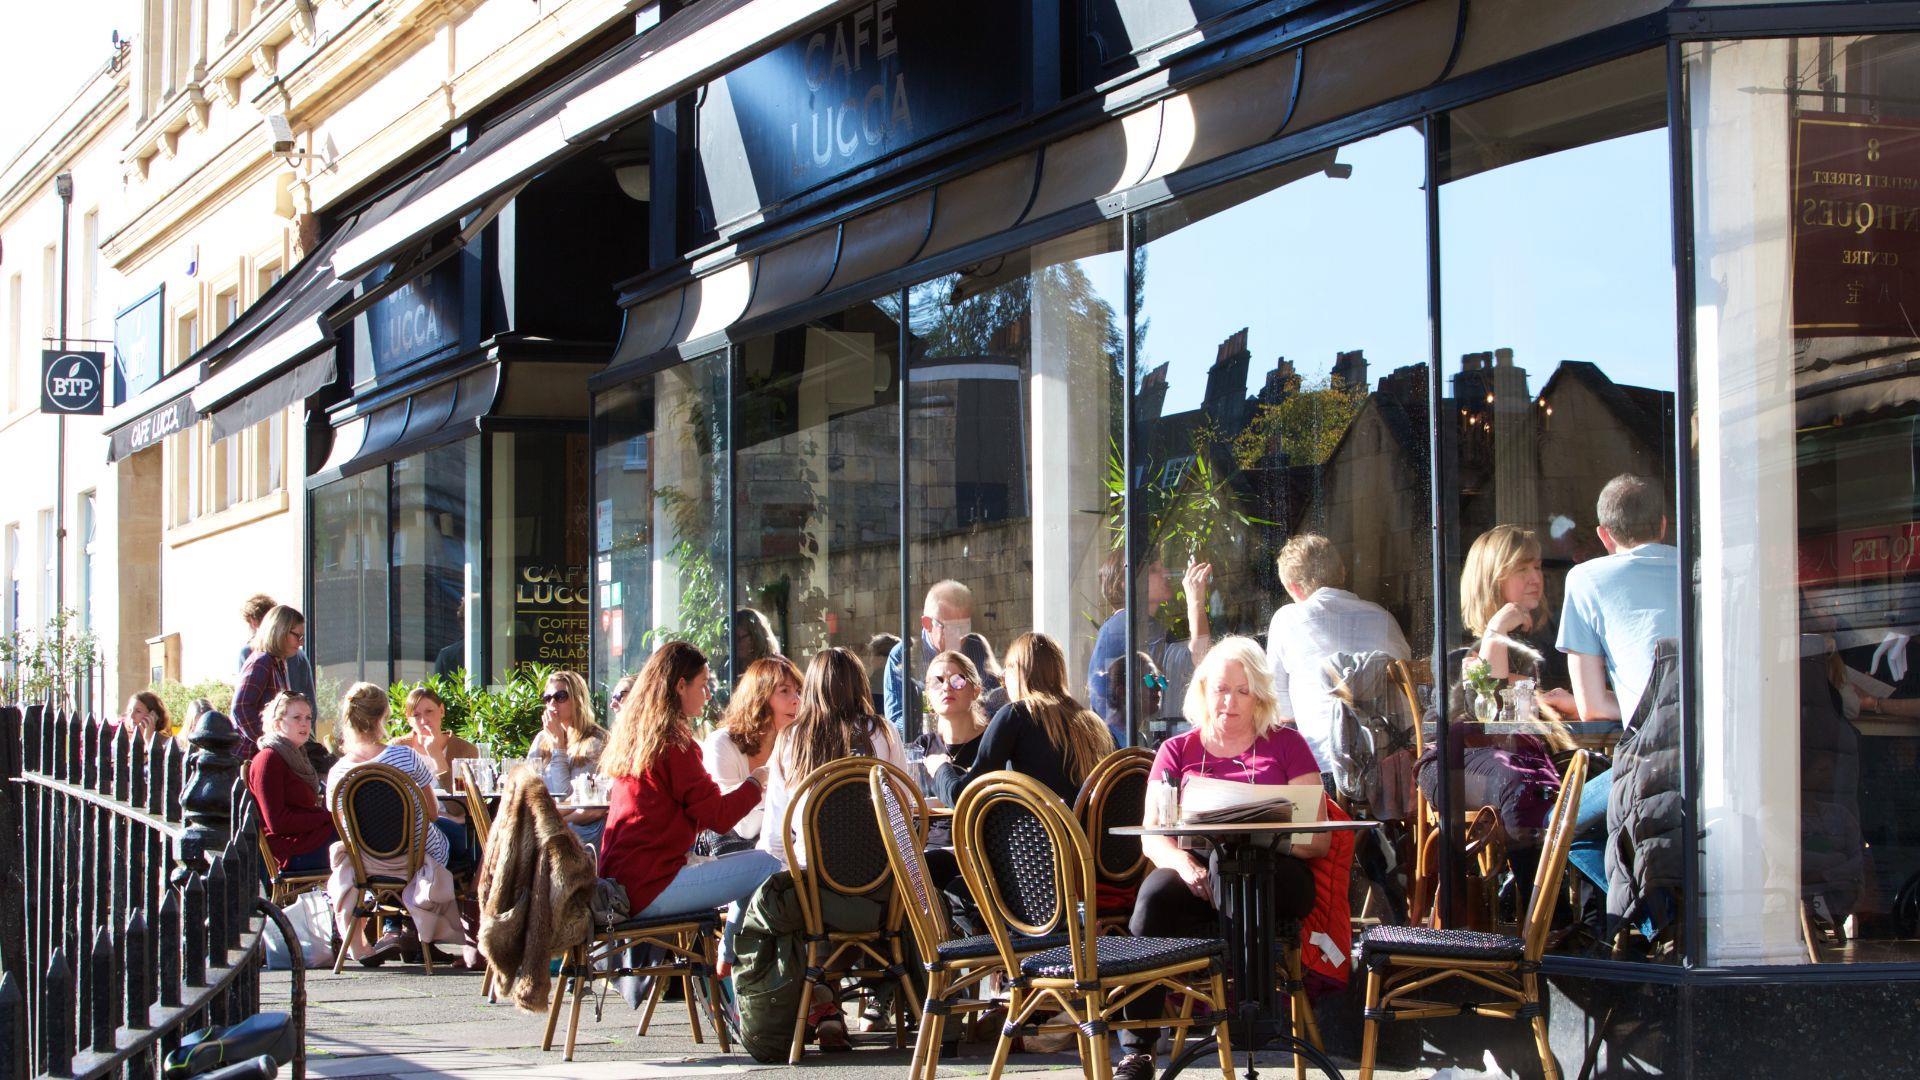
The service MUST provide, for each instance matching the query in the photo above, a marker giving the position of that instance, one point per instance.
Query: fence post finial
(212, 771)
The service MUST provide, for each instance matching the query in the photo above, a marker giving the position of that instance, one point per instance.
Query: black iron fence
(131, 909)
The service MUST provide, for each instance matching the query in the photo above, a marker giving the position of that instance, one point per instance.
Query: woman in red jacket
(287, 789)
(662, 798)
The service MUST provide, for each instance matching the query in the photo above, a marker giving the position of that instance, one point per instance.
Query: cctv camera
(282, 133)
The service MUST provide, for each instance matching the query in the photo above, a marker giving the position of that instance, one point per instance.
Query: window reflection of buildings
(1532, 460)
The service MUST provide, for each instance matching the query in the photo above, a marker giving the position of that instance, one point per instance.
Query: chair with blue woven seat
(1031, 870)
(377, 813)
(1405, 960)
(956, 966)
(676, 947)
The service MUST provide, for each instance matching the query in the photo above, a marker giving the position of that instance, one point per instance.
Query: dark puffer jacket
(1645, 835)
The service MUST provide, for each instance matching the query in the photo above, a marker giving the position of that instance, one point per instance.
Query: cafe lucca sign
(885, 78)
(1856, 226)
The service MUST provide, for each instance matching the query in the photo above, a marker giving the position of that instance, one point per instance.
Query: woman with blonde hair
(287, 788)
(282, 632)
(1043, 732)
(662, 798)
(1503, 605)
(364, 710)
(1236, 735)
(763, 705)
(568, 746)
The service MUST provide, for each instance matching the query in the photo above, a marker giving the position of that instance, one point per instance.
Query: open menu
(1206, 800)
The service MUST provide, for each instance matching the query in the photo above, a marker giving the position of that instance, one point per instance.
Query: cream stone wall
(171, 154)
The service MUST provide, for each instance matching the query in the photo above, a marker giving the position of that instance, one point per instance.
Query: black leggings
(1165, 907)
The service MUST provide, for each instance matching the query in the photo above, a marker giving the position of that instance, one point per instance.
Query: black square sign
(70, 382)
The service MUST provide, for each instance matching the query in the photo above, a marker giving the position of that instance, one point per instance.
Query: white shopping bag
(312, 919)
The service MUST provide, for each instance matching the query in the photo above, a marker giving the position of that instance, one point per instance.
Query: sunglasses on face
(1153, 682)
(616, 699)
(555, 697)
(957, 681)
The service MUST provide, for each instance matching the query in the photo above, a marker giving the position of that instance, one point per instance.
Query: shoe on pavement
(383, 950)
(1134, 1066)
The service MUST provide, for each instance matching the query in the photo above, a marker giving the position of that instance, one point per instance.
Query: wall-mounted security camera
(281, 132)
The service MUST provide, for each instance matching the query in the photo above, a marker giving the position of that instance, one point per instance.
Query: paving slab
(400, 1023)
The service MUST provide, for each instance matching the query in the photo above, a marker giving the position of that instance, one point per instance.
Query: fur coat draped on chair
(536, 889)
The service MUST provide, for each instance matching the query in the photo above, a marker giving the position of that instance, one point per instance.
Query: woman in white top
(763, 706)
(835, 721)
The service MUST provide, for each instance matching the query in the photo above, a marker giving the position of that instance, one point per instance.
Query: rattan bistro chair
(377, 812)
(681, 946)
(845, 853)
(480, 817)
(1115, 793)
(1031, 871)
(956, 966)
(284, 885)
(1404, 960)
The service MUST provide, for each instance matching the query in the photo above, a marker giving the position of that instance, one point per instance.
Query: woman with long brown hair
(662, 797)
(836, 720)
(1043, 732)
(763, 706)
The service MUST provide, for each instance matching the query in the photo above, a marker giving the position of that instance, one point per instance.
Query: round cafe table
(1261, 1017)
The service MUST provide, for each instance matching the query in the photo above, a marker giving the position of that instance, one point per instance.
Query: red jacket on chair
(1332, 913)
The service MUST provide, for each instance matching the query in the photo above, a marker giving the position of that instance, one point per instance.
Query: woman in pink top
(1236, 735)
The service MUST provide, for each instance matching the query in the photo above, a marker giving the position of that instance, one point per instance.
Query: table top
(1532, 727)
(1250, 828)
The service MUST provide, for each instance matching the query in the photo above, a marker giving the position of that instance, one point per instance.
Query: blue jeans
(725, 881)
(1589, 851)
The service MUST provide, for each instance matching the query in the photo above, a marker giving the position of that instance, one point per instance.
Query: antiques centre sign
(1856, 226)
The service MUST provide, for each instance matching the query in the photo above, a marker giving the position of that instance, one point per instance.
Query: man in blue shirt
(946, 618)
(1617, 608)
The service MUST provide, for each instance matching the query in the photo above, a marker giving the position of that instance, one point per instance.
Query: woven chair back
(1028, 864)
(1116, 794)
(839, 833)
(378, 815)
(1553, 857)
(901, 811)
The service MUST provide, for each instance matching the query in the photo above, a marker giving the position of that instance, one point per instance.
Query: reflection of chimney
(1516, 455)
(1226, 396)
(1280, 383)
(1153, 394)
(1350, 369)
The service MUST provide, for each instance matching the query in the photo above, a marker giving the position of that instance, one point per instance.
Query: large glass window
(1280, 466)
(1559, 357)
(436, 562)
(1281, 393)
(660, 516)
(347, 628)
(1806, 174)
(1013, 394)
(539, 586)
(817, 489)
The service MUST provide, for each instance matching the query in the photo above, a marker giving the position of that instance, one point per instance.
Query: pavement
(401, 1023)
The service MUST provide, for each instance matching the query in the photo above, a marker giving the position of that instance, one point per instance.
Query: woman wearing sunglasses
(1045, 733)
(569, 745)
(955, 694)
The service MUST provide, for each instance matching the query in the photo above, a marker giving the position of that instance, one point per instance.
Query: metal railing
(130, 910)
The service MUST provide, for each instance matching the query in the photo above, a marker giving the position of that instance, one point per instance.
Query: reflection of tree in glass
(1307, 424)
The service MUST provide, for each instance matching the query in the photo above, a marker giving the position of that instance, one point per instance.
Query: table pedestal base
(1251, 1033)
